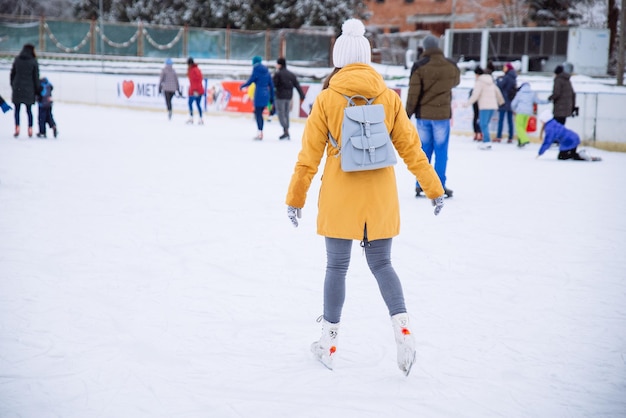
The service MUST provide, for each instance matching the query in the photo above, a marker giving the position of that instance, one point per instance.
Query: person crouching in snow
(554, 131)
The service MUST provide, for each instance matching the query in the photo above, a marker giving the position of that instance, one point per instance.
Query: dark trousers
(168, 99)
(45, 117)
(29, 113)
(258, 114)
(569, 155)
(475, 120)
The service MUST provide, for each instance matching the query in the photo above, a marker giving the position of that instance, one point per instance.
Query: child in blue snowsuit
(45, 108)
(554, 131)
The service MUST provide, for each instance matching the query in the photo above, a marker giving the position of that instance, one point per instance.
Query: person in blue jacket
(508, 86)
(263, 92)
(554, 131)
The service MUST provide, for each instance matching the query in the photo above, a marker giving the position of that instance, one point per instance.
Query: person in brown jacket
(429, 98)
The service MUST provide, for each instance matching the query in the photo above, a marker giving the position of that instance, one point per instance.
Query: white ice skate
(404, 341)
(324, 349)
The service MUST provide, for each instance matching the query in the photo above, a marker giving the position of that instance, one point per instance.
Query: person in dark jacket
(45, 109)
(429, 98)
(508, 86)
(563, 96)
(284, 83)
(25, 85)
(263, 91)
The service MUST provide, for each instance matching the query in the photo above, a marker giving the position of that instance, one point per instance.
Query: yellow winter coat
(350, 201)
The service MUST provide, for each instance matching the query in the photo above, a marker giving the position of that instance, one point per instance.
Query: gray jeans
(282, 109)
(378, 255)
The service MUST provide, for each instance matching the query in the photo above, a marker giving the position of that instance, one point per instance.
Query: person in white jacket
(523, 105)
(489, 99)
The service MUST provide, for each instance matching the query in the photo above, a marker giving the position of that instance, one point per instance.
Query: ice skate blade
(319, 356)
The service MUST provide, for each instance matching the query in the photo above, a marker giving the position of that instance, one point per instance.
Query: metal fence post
(140, 39)
(92, 43)
(227, 41)
(185, 41)
(42, 38)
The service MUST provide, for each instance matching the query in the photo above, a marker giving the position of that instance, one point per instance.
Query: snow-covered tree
(240, 14)
(592, 14)
(553, 12)
(51, 8)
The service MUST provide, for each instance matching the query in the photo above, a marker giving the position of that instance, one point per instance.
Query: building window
(408, 1)
(380, 1)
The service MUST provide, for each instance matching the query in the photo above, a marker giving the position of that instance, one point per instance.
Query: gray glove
(438, 204)
(294, 214)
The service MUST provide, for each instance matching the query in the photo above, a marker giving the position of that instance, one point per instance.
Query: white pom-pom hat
(352, 46)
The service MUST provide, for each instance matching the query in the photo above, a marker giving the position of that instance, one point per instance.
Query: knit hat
(281, 61)
(169, 61)
(568, 67)
(430, 42)
(352, 46)
(508, 66)
(256, 60)
(558, 69)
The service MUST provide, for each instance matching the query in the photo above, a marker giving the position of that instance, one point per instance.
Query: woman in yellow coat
(360, 205)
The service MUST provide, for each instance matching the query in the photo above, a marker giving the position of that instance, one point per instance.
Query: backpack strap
(351, 102)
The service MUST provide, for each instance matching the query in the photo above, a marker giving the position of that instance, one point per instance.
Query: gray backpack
(365, 142)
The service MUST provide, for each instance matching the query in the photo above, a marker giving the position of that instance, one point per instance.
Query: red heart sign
(128, 87)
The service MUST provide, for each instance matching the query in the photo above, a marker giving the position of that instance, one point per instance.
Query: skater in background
(44, 98)
(169, 86)
(263, 92)
(489, 98)
(568, 140)
(284, 83)
(563, 96)
(523, 106)
(196, 89)
(362, 206)
(508, 87)
(432, 79)
(478, 135)
(25, 85)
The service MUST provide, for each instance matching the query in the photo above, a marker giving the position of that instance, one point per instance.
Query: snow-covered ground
(148, 269)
